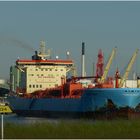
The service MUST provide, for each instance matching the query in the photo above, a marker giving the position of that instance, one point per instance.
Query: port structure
(100, 64)
(131, 62)
(109, 62)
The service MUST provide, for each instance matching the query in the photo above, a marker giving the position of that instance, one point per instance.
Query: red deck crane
(100, 64)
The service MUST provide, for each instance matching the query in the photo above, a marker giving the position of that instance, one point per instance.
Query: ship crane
(103, 78)
(99, 64)
(125, 76)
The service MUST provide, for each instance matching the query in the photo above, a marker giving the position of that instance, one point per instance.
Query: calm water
(13, 118)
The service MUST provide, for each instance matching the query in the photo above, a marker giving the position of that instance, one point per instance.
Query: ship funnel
(83, 60)
(36, 53)
(36, 57)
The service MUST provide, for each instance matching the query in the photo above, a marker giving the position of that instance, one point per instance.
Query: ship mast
(42, 51)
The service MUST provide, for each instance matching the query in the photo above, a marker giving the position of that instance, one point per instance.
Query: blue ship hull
(92, 102)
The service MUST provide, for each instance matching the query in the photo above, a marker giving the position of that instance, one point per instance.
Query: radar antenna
(42, 51)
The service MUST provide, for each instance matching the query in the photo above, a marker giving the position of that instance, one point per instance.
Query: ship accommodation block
(30, 76)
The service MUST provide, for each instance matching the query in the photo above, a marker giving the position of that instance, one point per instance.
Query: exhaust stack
(83, 60)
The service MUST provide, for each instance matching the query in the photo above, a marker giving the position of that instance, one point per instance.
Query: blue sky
(64, 25)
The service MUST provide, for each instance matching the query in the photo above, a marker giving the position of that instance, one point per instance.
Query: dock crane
(103, 78)
(125, 76)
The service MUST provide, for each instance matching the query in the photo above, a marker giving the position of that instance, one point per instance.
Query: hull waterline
(93, 102)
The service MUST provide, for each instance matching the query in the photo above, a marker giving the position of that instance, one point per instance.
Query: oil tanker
(42, 87)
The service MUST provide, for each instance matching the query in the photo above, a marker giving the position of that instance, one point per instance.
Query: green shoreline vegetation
(82, 129)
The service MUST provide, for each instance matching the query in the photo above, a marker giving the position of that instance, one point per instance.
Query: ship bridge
(44, 62)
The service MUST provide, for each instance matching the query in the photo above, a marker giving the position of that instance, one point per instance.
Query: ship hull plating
(93, 103)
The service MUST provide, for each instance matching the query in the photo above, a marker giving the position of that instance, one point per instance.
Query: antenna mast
(42, 51)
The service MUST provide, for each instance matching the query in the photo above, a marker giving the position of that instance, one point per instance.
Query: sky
(64, 26)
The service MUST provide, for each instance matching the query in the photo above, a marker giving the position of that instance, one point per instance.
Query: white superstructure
(39, 73)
